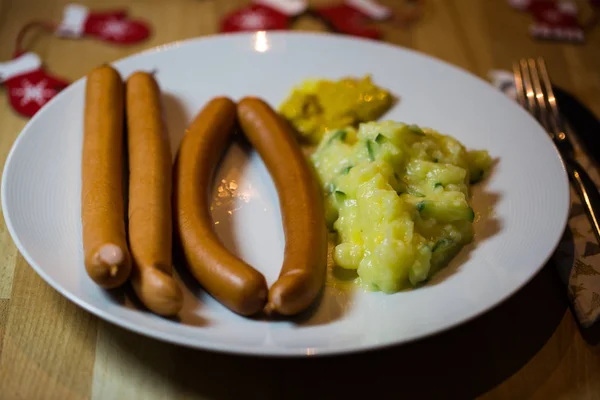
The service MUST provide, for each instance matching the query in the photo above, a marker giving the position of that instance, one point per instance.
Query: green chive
(416, 130)
(415, 193)
(370, 150)
(341, 135)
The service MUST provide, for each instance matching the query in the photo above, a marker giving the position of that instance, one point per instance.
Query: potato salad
(398, 197)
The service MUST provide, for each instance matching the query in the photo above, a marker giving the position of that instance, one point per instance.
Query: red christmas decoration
(255, 18)
(349, 17)
(552, 20)
(112, 26)
(352, 16)
(28, 84)
(263, 15)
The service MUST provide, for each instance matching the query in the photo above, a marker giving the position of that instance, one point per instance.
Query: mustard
(317, 106)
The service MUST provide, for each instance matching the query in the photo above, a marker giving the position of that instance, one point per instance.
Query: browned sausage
(305, 258)
(150, 212)
(107, 258)
(227, 278)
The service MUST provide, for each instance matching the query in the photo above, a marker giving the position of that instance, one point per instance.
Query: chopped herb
(370, 150)
(339, 195)
(415, 193)
(437, 185)
(379, 138)
(443, 242)
(436, 160)
(416, 130)
(420, 206)
(341, 135)
(346, 170)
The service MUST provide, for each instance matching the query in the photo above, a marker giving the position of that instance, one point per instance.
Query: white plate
(523, 206)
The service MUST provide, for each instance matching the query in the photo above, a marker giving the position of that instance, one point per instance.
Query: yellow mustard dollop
(316, 106)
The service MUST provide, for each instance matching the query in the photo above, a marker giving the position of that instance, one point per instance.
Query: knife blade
(582, 121)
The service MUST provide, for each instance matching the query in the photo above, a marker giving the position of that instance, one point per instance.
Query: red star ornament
(263, 15)
(28, 85)
(110, 26)
(552, 20)
(351, 17)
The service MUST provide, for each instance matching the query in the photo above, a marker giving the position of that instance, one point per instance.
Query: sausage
(150, 181)
(227, 278)
(305, 257)
(107, 258)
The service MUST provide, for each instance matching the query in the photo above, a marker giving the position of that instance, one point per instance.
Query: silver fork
(535, 94)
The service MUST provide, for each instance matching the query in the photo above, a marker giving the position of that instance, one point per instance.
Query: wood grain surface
(528, 347)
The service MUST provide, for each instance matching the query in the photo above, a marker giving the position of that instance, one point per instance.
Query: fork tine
(555, 117)
(548, 86)
(519, 85)
(528, 88)
(539, 96)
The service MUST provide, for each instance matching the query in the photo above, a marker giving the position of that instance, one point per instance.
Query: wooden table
(528, 347)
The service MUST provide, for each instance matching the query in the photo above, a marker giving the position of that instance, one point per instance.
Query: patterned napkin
(577, 257)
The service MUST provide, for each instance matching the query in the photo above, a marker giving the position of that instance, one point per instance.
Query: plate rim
(234, 349)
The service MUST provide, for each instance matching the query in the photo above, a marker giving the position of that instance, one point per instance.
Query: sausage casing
(107, 258)
(227, 278)
(305, 257)
(150, 214)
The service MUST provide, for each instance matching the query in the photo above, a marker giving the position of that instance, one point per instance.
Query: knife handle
(588, 192)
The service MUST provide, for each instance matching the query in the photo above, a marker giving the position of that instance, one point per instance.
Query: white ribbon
(73, 22)
(26, 62)
(287, 7)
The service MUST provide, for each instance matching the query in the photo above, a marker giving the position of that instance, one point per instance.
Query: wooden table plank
(132, 367)
(444, 38)
(8, 259)
(11, 125)
(583, 66)
(470, 21)
(4, 304)
(509, 44)
(48, 345)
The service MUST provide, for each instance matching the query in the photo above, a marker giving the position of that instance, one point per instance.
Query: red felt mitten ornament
(109, 26)
(352, 17)
(264, 15)
(27, 83)
(552, 20)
